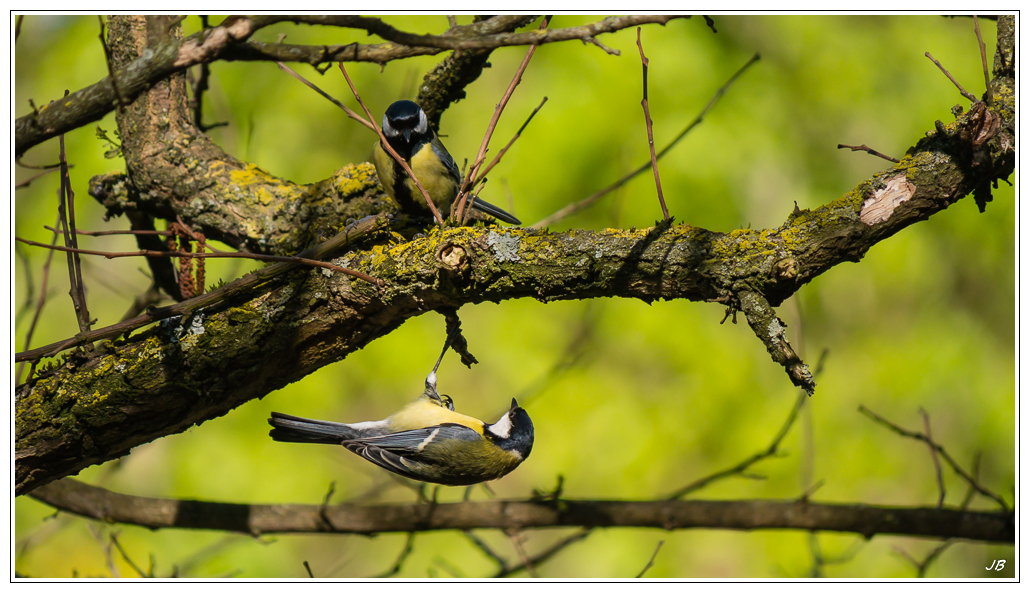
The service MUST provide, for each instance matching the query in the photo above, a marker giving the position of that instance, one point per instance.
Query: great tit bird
(407, 130)
(426, 440)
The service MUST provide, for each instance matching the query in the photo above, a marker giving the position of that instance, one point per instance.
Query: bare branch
(650, 561)
(39, 303)
(940, 451)
(964, 92)
(458, 211)
(527, 564)
(591, 199)
(650, 133)
(868, 520)
(66, 213)
(741, 467)
(870, 151)
(409, 545)
(226, 41)
(497, 159)
(933, 455)
(350, 112)
(356, 231)
(220, 255)
(548, 553)
(983, 58)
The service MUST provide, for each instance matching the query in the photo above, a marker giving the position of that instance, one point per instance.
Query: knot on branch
(451, 256)
(785, 269)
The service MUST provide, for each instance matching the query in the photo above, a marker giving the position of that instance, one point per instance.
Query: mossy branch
(169, 378)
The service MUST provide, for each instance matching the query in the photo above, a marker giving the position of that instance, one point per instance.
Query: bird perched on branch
(407, 130)
(426, 440)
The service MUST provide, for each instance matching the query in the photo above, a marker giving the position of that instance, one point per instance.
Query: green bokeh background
(659, 394)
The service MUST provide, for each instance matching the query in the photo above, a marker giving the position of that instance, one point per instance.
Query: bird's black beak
(514, 404)
(407, 134)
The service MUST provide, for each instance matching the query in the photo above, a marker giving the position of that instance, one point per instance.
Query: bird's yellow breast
(434, 176)
(422, 413)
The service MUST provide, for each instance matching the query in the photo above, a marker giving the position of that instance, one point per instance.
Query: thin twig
(35, 177)
(976, 476)
(591, 199)
(933, 455)
(125, 556)
(964, 92)
(497, 159)
(66, 209)
(192, 255)
(940, 450)
(870, 151)
(650, 133)
(307, 567)
(17, 26)
(116, 232)
(40, 303)
(983, 59)
(199, 88)
(350, 112)
(250, 281)
(25, 166)
(405, 552)
(922, 567)
(141, 302)
(548, 553)
(502, 564)
(516, 541)
(607, 50)
(30, 288)
(743, 465)
(97, 535)
(386, 146)
(458, 212)
(650, 562)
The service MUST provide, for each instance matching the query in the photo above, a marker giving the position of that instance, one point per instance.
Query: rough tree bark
(97, 406)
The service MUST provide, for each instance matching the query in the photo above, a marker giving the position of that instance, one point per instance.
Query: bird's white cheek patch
(502, 428)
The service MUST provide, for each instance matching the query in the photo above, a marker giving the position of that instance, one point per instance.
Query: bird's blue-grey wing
(411, 442)
(447, 160)
(401, 452)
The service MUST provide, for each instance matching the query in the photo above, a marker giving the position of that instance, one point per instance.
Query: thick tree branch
(173, 56)
(156, 513)
(163, 381)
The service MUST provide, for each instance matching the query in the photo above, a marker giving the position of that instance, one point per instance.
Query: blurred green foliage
(658, 395)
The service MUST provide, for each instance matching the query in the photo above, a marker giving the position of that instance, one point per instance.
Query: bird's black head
(405, 126)
(514, 431)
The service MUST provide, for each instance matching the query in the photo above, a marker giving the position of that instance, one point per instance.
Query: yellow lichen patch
(151, 350)
(626, 233)
(352, 179)
(93, 399)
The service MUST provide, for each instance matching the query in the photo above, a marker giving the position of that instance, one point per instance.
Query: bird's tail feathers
(494, 211)
(293, 429)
